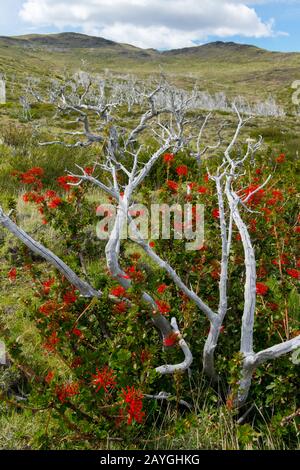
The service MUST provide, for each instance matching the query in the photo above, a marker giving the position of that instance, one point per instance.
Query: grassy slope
(233, 68)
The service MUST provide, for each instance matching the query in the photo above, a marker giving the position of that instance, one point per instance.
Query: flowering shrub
(105, 346)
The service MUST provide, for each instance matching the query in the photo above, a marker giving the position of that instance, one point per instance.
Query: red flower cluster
(64, 181)
(163, 307)
(293, 273)
(281, 158)
(89, 170)
(51, 342)
(48, 308)
(256, 198)
(54, 202)
(121, 307)
(182, 170)
(283, 260)
(32, 176)
(104, 379)
(216, 214)
(161, 288)
(70, 297)
(202, 189)
(67, 391)
(50, 199)
(168, 158)
(277, 196)
(261, 288)
(49, 377)
(47, 286)
(215, 274)
(77, 332)
(33, 196)
(171, 340)
(12, 275)
(118, 291)
(172, 185)
(134, 404)
(134, 274)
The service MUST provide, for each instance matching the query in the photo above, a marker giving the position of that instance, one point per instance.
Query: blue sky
(162, 24)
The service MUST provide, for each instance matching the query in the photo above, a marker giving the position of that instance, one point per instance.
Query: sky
(160, 24)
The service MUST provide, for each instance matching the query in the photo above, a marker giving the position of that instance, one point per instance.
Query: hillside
(218, 66)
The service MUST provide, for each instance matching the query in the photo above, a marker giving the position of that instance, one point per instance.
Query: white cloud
(150, 23)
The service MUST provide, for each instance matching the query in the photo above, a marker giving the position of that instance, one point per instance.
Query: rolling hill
(218, 66)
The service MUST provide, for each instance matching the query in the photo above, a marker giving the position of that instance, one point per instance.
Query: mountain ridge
(79, 40)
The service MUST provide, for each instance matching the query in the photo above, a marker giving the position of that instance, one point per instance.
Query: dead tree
(167, 120)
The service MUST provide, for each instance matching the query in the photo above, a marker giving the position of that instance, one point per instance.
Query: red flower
(152, 244)
(64, 181)
(49, 377)
(271, 202)
(67, 391)
(172, 185)
(37, 171)
(133, 274)
(118, 291)
(169, 157)
(70, 297)
(297, 229)
(281, 158)
(134, 404)
(163, 307)
(182, 170)
(89, 170)
(216, 214)
(12, 274)
(215, 274)
(77, 332)
(105, 379)
(54, 203)
(282, 260)
(28, 179)
(26, 197)
(48, 307)
(261, 288)
(161, 288)
(171, 340)
(51, 342)
(50, 194)
(202, 190)
(293, 273)
(121, 307)
(277, 194)
(47, 286)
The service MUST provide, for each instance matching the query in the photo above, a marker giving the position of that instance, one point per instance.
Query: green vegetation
(34, 412)
(231, 68)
